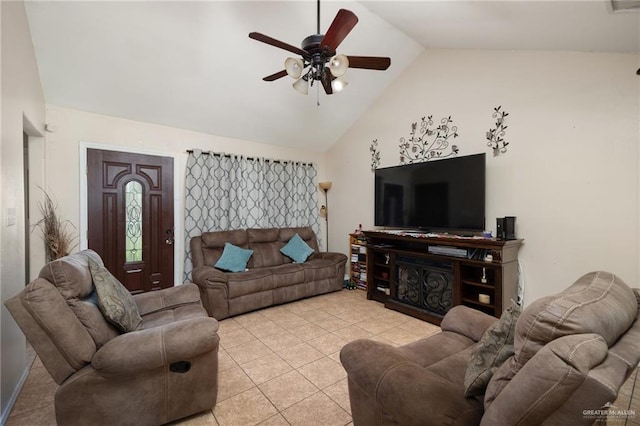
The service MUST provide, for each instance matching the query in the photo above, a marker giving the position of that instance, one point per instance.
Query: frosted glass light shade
(338, 65)
(301, 85)
(293, 67)
(338, 84)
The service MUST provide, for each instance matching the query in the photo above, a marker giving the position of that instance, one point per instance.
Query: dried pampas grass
(59, 239)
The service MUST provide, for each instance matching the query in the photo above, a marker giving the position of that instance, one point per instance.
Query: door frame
(178, 195)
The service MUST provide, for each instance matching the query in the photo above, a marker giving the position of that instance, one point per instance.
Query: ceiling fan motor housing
(313, 47)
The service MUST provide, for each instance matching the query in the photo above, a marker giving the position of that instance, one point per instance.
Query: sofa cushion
(287, 275)
(248, 282)
(491, 352)
(598, 302)
(297, 249)
(179, 313)
(266, 247)
(234, 258)
(114, 300)
(167, 299)
(318, 269)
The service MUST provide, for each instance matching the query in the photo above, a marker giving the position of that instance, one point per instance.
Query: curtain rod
(217, 154)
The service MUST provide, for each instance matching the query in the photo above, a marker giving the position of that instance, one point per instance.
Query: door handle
(169, 240)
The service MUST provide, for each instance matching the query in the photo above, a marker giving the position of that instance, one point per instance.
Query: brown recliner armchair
(161, 372)
(572, 353)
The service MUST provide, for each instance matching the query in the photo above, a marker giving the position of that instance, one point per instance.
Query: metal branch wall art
(375, 155)
(429, 142)
(495, 136)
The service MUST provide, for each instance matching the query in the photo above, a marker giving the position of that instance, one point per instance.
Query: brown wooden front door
(130, 224)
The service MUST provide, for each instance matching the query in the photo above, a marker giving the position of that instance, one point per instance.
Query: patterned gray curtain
(225, 192)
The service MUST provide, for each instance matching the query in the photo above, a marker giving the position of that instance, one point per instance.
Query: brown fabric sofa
(272, 278)
(162, 372)
(573, 351)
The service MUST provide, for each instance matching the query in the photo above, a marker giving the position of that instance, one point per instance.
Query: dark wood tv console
(424, 276)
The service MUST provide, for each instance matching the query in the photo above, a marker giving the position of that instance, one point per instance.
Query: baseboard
(14, 396)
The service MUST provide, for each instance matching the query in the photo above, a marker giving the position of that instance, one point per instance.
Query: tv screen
(446, 194)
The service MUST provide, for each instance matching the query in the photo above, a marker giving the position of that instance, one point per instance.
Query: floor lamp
(324, 210)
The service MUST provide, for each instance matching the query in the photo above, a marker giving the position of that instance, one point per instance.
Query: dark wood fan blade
(326, 81)
(277, 43)
(342, 25)
(276, 76)
(369, 62)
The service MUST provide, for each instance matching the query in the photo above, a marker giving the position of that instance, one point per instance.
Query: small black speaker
(500, 228)
(509, 227)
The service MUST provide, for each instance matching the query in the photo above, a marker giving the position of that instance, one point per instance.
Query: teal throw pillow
(297, 249)
(234, 258)
(114, 300)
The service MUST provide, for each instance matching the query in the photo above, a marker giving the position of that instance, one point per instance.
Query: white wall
(571, 171)
(73, 127)
(23, 108)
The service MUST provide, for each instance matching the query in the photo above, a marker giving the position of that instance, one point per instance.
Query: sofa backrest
(55, 332)
(71, 276)
(207, 248)
(598, 302)
(599, 309)
(58, 314)
(266, 243)
(266, 246)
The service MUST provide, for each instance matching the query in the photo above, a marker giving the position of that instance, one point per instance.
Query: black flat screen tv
(437, 195)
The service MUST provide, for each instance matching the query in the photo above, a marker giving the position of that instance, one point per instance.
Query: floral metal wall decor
(428, 141)
(496, 136)
(375, 155)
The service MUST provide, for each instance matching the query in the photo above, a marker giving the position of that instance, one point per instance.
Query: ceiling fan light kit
(338, 65)
(294, 67)
(319, 59)
(302, 86)
(338, 84)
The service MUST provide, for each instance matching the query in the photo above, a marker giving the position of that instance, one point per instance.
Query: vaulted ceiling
(191, 64)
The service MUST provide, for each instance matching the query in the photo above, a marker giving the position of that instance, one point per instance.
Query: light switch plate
(11, 216)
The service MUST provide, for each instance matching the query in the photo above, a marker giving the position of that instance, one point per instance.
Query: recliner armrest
(467, 322)
(404, 391)
(168, 298)
(214, 290)
(149, 349)
(207, 276)
(367, 361)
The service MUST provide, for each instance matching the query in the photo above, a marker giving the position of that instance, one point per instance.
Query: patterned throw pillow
(234, 258)
(114, 300)
(491, 352)
(297, 249)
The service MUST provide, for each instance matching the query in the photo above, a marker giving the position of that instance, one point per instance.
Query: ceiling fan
(319, 59)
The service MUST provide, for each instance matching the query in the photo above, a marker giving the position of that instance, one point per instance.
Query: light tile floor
(281, 366)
